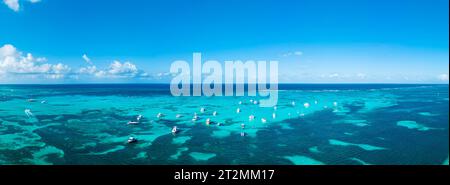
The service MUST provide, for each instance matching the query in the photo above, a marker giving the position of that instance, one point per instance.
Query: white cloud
(20, 67)
(295, 53)
(88, 70)
(298, 53)
(115, 70)
(12, 4)
(118, 68)
(41, 59)
(15, 63)
(15, 4)
(334, 75)
(87, 59)
(443, 77)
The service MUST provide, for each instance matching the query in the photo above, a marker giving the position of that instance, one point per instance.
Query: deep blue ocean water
(344, 124)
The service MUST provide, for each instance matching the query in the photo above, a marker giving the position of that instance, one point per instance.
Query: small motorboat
(202, 110)
(208, 121)
(178, 116)
(195, 118)
(274, 115)
(28, 113)
(159, 115)
(251, 117)
(139, 118)
(306, 105)
(174, 130)
(263, 120)
(238, 110)
(133, 123)
(132, 140)
(240, 103)
(242, 125)
(215, 113)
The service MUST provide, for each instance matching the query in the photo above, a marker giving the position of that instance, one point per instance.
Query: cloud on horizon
(17, 66)
(14, 63)
(115, 70)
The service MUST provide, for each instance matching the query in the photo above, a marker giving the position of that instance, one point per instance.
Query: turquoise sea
(354, 124)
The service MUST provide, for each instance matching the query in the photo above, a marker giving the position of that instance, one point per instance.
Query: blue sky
(315, 41)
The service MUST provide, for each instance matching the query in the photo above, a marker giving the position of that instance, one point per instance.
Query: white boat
(28, 113)
(133, 123)
(251, 117)
(208, 121)
(132, 140)
(174, 130)
(306, 105)
(263, 120)
(160, 115)
(215, 113)
(238, 110)
(195, 118)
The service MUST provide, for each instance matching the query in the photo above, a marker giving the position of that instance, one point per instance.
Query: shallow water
(344, 124)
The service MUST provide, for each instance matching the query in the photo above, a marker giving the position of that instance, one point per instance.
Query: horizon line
(289, 83)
